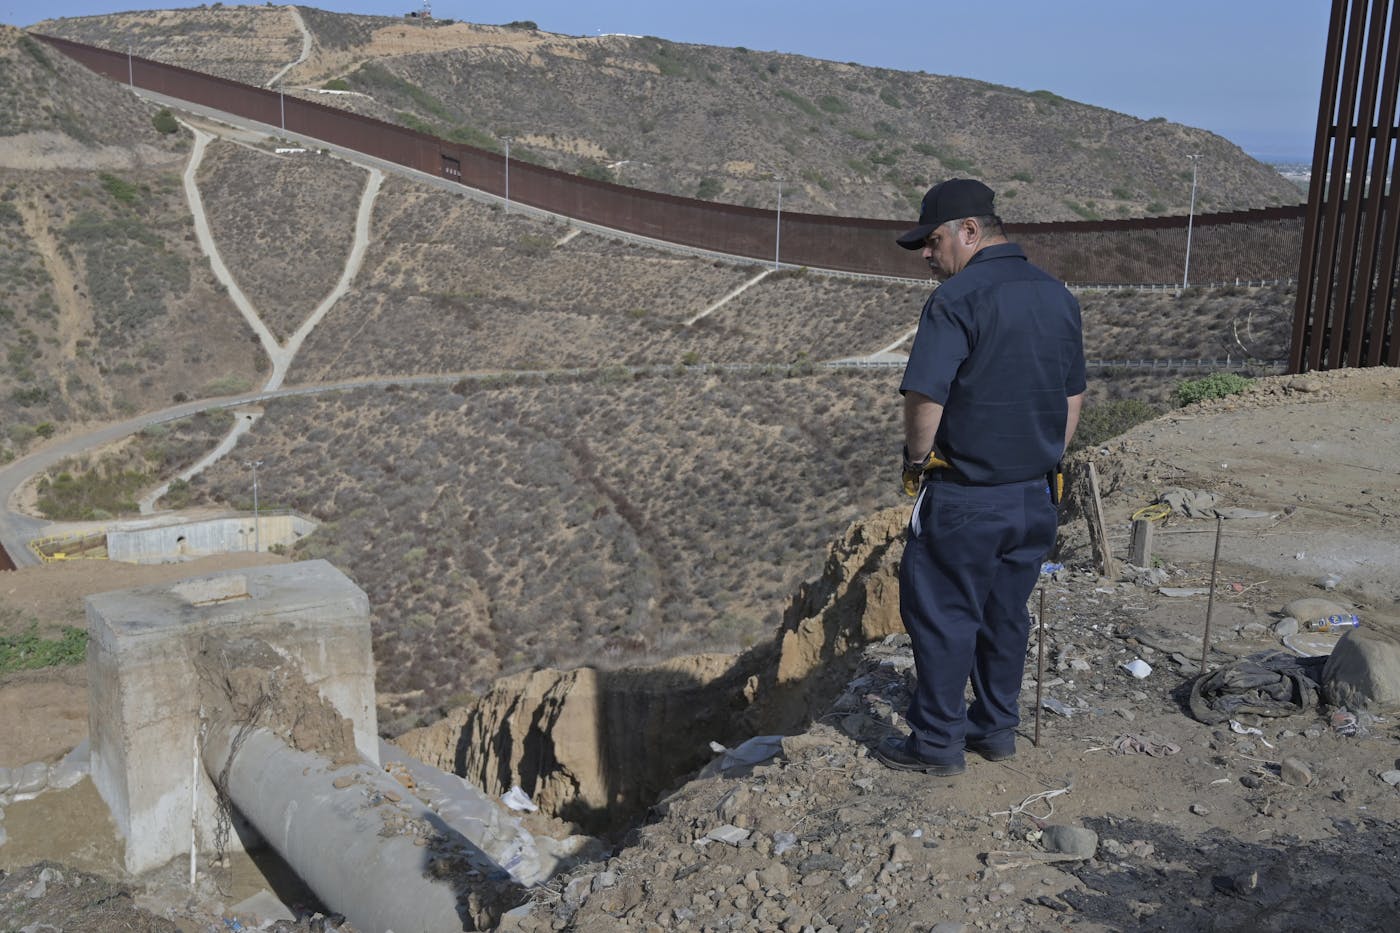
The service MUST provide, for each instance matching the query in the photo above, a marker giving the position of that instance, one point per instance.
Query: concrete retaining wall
(197, 539)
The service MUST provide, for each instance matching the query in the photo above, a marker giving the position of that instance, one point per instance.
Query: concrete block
(144, 709)
(1363, 671)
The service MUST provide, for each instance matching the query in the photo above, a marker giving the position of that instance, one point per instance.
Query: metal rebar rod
(1210, 600)
(1039, 666)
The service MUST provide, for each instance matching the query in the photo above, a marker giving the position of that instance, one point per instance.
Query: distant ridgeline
(1246, 245)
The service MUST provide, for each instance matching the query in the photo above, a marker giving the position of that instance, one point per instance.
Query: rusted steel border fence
(1346, 313)
(1259, 244)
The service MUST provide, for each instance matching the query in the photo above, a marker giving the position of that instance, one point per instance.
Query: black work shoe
(993, 752)
(893, 752)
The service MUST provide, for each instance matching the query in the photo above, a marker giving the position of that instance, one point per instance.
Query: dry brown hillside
(714, 122)
(108, 307)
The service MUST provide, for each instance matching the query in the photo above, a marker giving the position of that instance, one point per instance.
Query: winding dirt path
(306, 41)
(280, 355)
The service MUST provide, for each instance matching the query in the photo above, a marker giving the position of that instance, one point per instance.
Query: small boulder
(1363, 671)
(1286, 626)
(1295, 771)
(1070, 840)
(1312, 608)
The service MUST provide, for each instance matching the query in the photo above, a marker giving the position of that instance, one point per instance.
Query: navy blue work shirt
(1000, 346)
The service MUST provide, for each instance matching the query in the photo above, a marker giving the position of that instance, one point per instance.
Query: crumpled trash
(1145, 744)
(748, 754)
(1271, 683)
(782, 841)
(1344, 722)
(1055, 706)
(517, 799)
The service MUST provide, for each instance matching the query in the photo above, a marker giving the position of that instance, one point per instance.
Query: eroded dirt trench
(598, 748)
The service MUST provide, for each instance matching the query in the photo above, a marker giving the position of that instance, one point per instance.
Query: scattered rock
(1286, 626)
(1200, 809)
(1296, 771)
(728, 834)
(342, 782)
(1070, 840)
(1391, 777)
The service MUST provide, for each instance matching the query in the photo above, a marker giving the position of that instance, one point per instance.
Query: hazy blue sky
(1249, 70)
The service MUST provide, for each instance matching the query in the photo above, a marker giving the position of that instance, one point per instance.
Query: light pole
(506, 140)
(778, 228)
(1190, 221)
(130, 74)
(257, 540)
(282, 105)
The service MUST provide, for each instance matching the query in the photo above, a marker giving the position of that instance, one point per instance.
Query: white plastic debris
(1137, 667)
(783, 841)
(517, 799)
(728, 834)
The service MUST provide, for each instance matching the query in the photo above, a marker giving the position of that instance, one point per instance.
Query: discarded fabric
(1271, 683)
(1145, 744)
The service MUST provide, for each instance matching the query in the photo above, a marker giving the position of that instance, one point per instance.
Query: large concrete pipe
(485, 823)
(356, 836)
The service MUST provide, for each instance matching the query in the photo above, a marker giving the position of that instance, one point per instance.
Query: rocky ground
(1164, 822)
(1192, 827)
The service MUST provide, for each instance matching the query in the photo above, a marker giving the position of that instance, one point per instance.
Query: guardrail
(47, 548)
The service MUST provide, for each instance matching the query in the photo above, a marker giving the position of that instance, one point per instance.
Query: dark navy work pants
(963, 584)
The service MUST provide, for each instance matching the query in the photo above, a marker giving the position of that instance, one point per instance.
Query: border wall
(1348, 305)
(1259, 244)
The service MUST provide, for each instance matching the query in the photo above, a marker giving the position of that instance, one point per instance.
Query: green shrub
(1156, 207)
(124, 191)
(32, 49)
(336, 84)
(833, 104)
(890, 98)
(165, 122)
(709, 189)
(800, 102)
(29, 651)
(1216, 385)
(1104, 420)
(66, 497)
(597, 172)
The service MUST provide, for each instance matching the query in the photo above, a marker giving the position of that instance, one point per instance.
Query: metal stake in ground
(1039, 667)
(1210, 600)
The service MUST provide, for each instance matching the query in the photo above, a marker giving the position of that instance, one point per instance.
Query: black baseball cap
(948, 200)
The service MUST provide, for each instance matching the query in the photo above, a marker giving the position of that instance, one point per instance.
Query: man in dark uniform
(992, 394)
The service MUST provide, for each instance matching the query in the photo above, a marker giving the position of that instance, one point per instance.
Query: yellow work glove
(913, 476)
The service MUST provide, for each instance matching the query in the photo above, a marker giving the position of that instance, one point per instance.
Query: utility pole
(506, 140)
(1190, 220)
(257, 538)
(282, 103)
(778, 229)
(130, 74)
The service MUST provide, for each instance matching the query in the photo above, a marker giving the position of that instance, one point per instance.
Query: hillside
(108, 305)
(714, 122)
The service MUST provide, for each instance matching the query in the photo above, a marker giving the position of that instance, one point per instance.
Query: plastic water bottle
(1334, 623)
